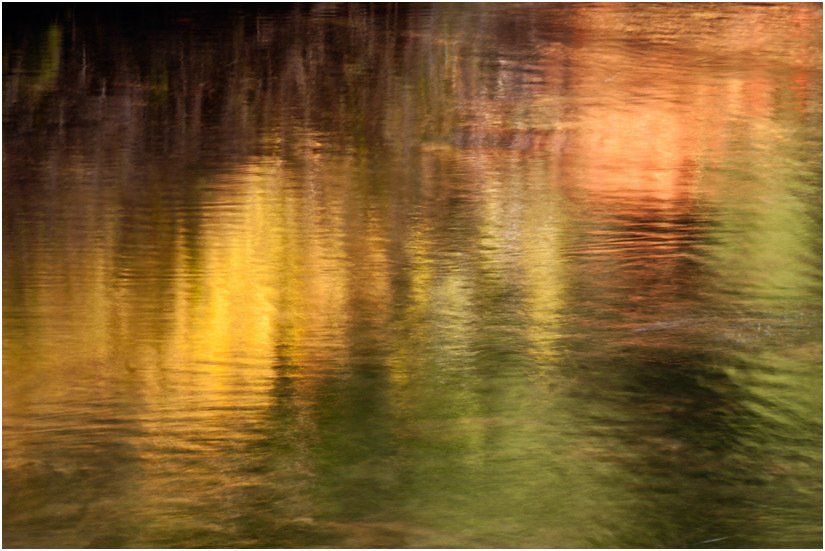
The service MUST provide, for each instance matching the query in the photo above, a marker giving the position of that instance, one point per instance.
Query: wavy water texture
(409, 276)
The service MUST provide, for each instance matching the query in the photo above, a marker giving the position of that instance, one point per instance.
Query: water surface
(410, 276)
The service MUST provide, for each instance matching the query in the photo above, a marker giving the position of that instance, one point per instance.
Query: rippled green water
(409, 276)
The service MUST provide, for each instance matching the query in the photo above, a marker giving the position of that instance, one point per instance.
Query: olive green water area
(412, 276)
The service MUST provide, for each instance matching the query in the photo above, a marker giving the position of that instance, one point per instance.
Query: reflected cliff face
(489, 275)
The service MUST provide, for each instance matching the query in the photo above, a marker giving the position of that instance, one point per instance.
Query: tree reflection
(408, 276)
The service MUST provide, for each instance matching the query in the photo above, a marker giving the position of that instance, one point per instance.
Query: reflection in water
(341, 275)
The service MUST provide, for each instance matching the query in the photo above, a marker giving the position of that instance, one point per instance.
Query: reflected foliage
(408, 276)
